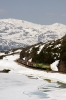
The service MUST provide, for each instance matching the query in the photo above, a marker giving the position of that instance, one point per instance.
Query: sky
(44, 12)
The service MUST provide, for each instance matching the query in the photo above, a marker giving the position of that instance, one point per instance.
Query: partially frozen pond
(21, 87)
(22, 83)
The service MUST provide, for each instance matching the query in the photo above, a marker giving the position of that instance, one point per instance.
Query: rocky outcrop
(47, 53)
(4, 71)
(62, 66)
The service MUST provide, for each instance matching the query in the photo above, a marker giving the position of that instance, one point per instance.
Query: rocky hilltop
(47, 53)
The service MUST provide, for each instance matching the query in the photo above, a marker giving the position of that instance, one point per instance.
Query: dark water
(47, 87)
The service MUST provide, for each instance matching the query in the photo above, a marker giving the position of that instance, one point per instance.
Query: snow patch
(54, 65)
(40, 48)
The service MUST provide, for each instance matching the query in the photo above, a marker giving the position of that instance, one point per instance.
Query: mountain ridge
(19, 33)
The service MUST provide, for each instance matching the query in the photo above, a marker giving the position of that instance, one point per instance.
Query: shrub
(1, 57)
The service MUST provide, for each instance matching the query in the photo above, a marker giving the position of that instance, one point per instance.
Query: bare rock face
(62, 66)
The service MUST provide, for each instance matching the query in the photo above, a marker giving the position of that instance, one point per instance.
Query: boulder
(62, 66)
(4, 71)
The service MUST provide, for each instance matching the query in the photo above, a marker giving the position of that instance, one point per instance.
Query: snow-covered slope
(19, 33)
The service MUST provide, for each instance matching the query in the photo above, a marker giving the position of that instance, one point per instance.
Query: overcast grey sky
(36, 11)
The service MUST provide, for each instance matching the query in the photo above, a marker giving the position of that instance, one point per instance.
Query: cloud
(64, 15)
(2, 11)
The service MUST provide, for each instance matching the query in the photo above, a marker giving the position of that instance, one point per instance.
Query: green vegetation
(48, 80)
(42, 66)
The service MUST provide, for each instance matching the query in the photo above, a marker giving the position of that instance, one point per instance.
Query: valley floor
(27, 84)
(9, 63)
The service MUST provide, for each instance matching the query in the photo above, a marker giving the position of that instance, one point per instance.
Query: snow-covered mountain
(19, 33)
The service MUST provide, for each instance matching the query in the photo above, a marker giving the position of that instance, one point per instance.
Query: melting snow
(54, 65)
(16, 86)
(40, 48)
(8, 63)
(57, 46)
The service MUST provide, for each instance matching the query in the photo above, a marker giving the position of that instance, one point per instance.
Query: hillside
(47, 56)
(46, 53)
(19, 33)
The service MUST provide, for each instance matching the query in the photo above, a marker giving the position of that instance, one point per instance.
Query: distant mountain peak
(57, 24)
(20, 33)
